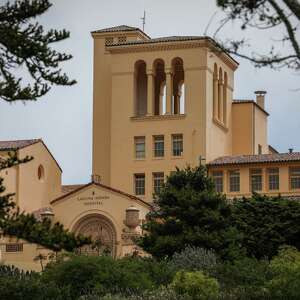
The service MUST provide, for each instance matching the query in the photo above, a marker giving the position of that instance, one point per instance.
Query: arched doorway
(102, 232)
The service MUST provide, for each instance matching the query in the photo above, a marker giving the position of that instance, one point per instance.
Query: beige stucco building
(158, 104)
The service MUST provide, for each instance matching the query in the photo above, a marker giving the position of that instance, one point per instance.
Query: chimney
(96, 178)
(260, 98)
(291, 150)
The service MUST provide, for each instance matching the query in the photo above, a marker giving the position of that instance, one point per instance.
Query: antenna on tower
(144, 20)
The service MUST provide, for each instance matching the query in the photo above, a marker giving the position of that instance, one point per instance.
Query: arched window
(178, 86)
(225, 99)
(220, 96)
(41, 173)
(140, 88)
(163, 98)
(215, 92)
(159, 87)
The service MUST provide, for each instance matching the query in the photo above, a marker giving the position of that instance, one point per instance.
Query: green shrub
(196, 285)
(285, 268)
(194, 259)
(18, 285)
(244, 278)
(104, 274)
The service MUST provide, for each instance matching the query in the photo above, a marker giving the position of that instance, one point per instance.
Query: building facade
(166, 102)
(158, 104)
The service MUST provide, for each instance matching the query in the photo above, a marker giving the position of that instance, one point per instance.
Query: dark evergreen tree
(25, 46)
(267, 223)
(26, 226)
(188, 211)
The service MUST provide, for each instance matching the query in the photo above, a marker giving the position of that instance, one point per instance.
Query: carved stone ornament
(102, 232)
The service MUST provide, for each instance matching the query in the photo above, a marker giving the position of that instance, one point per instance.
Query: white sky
(63, 118)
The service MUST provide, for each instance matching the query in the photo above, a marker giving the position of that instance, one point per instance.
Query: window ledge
(158, 158)
(177, 157)
(158, 117)
(220, 124)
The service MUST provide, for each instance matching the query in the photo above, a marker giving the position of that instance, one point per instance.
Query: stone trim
(158, 118)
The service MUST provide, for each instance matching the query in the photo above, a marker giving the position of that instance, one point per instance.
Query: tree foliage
(25, 226)
(26, 45)
(266, 15)
(267, 223)
(189, 212)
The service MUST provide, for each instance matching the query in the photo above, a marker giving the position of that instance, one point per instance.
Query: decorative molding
(158, 118)
(204, 68)
(173, 45)
(220, 124)
(122, 73)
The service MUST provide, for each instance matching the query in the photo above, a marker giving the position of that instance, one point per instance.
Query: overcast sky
(63, 118)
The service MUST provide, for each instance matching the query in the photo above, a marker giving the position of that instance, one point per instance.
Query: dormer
(120, 35)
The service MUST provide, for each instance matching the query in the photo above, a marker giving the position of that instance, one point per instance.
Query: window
(295, 178)
(14, 247)
(41, 173)
(177, 144)
(139, 147)
(159, 146)
(273, 178)
(234, 181)
(158, 181)
(139, 184)
(256, 180)
(218, 180)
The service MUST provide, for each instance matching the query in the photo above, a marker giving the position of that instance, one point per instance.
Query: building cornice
(205, 43)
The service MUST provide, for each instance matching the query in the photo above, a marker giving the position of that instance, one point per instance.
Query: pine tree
(188, 211)
(26, 45)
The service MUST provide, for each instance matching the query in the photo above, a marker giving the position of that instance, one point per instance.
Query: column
(220, 101)
(169, 83)
(215, 98)
(150, 93)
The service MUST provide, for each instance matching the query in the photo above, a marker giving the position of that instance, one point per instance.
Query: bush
(18, 285)
(194, 259)
(104, 274)
(196, 285)
(244, 278)
(285, 269)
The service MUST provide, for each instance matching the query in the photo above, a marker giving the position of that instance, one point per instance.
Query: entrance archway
(102, 232)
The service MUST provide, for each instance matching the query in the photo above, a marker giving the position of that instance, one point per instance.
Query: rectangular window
(177, 144)
(273, 178)
(139, 184)
(140, 147)
(218, 180)
(158, 181)
(234, 181)
(159, 146)
(14, 247)
(256, 180)
(295, 178)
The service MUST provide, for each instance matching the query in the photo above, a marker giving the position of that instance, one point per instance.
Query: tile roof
(66, 189)
(18, 144)
(117, 28)
(252, 159)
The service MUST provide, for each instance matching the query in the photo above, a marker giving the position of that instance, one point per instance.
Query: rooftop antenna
(144, 20)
